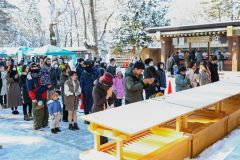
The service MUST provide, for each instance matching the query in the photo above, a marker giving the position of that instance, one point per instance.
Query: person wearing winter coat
(102, 96)
(103, 68)
(118, 87)
(79, 68)
(213, 67)
(3, 87)
(182, 82)
(13, 90)
(72, 90)
(63, 78)
(191, 74)
(169, 65)
(150, 72)
(89, 75)
(54, 110)
(112, 67)
(40, 112)
(27, 102)
(134, 83)
(162, 80)
(204, 74)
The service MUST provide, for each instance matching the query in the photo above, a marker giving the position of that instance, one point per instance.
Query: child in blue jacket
(55, 111)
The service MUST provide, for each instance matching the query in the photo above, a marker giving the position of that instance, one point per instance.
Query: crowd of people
(94, 85)
(193, 70)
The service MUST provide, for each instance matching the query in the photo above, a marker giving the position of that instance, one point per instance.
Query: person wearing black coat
(79, 68)
(150, 72)
(112, 67)
(103, 96)
(161, 78)
(213, 67)
(88, 77)
(27, 102)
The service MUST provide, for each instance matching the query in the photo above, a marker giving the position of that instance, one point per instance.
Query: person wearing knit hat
(106, 79)
(103, 96)
(181, 80)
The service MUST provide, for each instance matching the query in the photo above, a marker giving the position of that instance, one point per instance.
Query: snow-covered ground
(20, 141)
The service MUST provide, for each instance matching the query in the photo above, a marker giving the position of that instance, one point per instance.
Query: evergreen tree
(136, 16)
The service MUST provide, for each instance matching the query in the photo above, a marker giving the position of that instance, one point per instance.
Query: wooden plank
(178, 124)
(135, 118)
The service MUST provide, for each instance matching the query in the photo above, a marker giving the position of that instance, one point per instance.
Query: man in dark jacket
(150, 72)
(112, 67)
(134, 84)
(88, 77)
(79, 68)
(213, 67)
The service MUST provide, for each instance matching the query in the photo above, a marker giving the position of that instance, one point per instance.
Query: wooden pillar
(235, 53)
(209, 50)
(119, 150)
(97, 142)
(185, 123)
(166, 48)
(190, 47)
(178, 124)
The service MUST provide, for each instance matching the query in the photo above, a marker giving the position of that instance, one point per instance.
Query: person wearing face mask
(64, 77)
(27, 102)
(3, 87)
(88, 77)
(40, 112)
(13, 90)
(150, 72)
(161, 78)
(181, 80)
(134, 83)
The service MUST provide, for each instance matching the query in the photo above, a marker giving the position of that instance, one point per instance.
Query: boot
(70, 127)
(26, 118)
(75, 127)
(57, 129)
(16, 112)
(53, 131)
(30, 116)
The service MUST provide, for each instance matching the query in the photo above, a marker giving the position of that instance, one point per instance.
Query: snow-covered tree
(135, 17)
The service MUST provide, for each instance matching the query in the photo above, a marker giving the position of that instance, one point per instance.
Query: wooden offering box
(136, 134)
(204, 127)
(172, 127)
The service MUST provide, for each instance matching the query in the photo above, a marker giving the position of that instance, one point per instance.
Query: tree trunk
(84, 20)
(94, 24)
(53, 40)
(76, 24)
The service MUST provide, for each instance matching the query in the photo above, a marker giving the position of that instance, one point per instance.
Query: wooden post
(97, 142)
(209, 50)
(190, 47)
(178, 124)
(185, 123)
(119, 150)
(220, 106)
